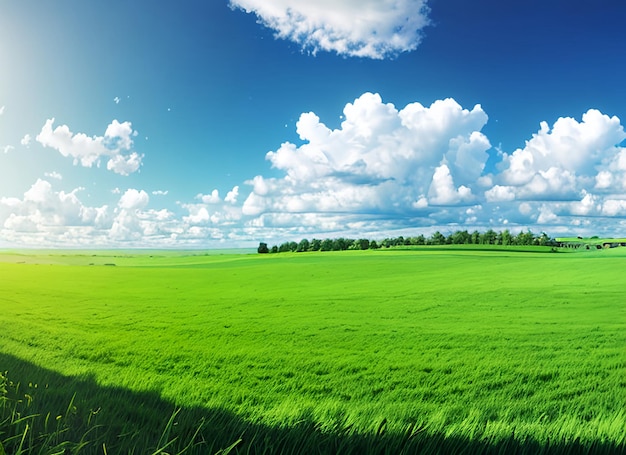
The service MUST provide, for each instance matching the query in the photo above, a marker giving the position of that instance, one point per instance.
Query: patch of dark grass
(44, 412)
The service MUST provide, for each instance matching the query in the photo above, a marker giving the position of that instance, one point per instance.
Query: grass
(376, 351)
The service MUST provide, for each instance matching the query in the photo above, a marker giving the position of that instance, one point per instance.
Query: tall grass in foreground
(363, 352)
(26, 428)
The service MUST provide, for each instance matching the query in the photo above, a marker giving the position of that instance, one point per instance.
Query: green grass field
(436, 349)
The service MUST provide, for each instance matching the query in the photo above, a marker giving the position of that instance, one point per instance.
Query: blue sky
(225, 123)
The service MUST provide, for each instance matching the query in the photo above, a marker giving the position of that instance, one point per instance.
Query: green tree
(489, 237)
(326, 245)
(262, 249)
(316, 245)
(419, 240)
(543, 239)
(342, 244)
(303, 246)
(525, 238)
(460, 238)
(437, 239)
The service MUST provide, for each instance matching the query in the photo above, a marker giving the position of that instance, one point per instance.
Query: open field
(387, 351)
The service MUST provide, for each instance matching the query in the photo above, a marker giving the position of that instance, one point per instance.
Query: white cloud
(442, 190)
(232, 195)
(7, 148)
(116, 100)
(1, 110)
(614, 207)
(213, 198)
(44, 210)
(564, 160)
(198, 214)
(381, 160)
(125, 165)
(133, 199)
(572, 171)
(364, 28)
(46, 217)
(87, 151)
(26, 140)
(500, 193)
(586, 206)
(383, 171)
(54, 175)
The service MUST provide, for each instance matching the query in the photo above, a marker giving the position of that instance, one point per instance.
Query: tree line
(489, 237)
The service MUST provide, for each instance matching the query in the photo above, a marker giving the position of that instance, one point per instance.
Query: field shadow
(115, 420)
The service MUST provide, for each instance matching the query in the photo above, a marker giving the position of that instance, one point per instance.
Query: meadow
(432, 349)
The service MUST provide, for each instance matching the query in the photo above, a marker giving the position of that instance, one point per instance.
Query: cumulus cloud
(563, 160)
(384, 170)
(49, 218)
(86, 150)
(44, 210)
(380, 161)
(7, 148)
(213, 198)
(366, 28)
(572, 171)
(232, 195)
(26, 140)
(125, 165)
(442, 190)
(1, 110)
(133, 199)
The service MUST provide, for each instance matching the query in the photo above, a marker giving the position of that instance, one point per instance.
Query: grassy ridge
(472, 345)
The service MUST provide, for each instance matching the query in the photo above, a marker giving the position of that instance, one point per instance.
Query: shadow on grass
(77, 415)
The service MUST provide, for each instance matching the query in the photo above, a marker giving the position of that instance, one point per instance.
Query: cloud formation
(25, 141)
(116, 144)
(384, 170)
(365, 28)
(380, 161)
(569, 174)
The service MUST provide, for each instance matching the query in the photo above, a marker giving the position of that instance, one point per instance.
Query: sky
(225, 123)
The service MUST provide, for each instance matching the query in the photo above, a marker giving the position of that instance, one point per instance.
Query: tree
(326, 245)
(489, 237)
(525, 238)
(316, 245)
(460, 238)
(341, 244)
(303, 245)
(506, 237)
(262, 249)
(544, 239)
(437, 239)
